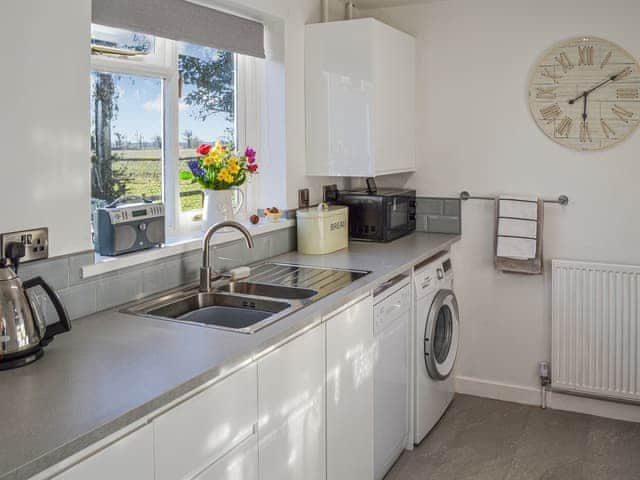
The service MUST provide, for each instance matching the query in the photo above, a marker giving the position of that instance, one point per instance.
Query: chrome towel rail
(464, 195)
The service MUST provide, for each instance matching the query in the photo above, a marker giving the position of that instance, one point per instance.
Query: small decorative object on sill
(220, 170)
(272, 214)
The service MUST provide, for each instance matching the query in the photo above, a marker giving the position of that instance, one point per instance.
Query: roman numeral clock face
(585, 93)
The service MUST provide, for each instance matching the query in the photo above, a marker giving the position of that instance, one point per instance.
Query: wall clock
(584, 93)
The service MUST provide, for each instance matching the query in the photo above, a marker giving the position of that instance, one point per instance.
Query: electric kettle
(23, 332)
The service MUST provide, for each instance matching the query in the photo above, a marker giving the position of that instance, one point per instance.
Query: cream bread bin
(323, 229)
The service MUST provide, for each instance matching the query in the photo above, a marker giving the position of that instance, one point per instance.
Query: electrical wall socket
(36, 242)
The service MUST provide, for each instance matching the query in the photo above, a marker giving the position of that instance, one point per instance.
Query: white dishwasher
(392, 316)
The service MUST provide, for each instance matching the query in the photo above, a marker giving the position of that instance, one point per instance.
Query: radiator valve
(544, 373)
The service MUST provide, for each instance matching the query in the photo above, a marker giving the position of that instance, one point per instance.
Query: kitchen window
(207, 106)
(126, 136)
(153, 100)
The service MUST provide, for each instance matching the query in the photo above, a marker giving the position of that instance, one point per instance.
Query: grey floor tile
(483, 439)
(553, 446)
(476, 439)
(613, 450)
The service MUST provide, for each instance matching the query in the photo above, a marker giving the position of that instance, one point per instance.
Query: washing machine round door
(441, 335)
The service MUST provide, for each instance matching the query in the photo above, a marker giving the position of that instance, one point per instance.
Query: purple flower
(196, 169)
(250, 153)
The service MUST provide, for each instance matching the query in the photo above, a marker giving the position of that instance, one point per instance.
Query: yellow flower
(224, 175)
(220, 148)
(208, 160)
(233, 166)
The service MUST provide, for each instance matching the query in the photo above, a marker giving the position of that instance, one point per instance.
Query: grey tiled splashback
(439, 215)
(86, 296)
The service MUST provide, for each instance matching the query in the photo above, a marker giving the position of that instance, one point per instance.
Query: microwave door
(364, 219)
(398, 213)
(397, 218)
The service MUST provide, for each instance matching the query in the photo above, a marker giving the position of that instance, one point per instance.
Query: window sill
(175, 246)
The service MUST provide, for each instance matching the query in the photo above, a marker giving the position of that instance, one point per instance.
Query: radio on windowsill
(123, 227)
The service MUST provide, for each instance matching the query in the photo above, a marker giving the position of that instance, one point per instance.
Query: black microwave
(381, 215)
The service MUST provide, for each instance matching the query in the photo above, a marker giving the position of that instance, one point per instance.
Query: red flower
(250, 153)
(203, 149)
(252, 167)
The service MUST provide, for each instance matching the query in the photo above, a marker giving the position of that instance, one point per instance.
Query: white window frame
(163, 64)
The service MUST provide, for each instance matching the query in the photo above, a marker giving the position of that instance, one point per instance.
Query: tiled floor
(491, 440)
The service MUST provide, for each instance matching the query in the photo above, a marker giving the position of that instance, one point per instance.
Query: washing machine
(437, 332)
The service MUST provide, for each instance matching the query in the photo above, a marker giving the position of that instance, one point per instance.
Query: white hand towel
(517, 227)
(513, 206)
(511, 227)
(518, 248)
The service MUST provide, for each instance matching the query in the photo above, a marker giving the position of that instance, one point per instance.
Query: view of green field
(127, 133)
(143, 170)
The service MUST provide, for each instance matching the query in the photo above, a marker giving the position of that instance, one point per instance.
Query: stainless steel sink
(218, 309)
(272, 292)
(266, 290)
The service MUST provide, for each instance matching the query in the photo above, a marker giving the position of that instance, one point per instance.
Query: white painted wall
(475, 133)
(44, 120)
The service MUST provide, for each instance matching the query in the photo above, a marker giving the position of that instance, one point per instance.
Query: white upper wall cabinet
(44, 120)
(360, 99)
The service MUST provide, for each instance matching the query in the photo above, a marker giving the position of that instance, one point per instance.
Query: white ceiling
(365, 4)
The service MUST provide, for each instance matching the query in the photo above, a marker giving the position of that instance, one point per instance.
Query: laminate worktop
(114, 369)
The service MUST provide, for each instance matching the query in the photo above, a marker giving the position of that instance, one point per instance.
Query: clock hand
(584, 111)
(612, 78)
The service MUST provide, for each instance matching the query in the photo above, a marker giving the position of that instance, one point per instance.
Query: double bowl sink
(272, 292)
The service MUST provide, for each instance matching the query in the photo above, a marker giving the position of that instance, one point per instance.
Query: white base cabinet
(302, 412)
(197, 432)
(241, 463)
(291, 410)
(129, 457)
(350, 392)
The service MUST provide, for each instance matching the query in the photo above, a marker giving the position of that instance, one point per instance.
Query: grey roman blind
(184, 21)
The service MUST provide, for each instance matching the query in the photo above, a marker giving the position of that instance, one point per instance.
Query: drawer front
(241, 463)
(129, 457)
(391, 308)
(202, 429)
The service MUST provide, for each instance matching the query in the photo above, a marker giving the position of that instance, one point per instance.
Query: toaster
(129, 228)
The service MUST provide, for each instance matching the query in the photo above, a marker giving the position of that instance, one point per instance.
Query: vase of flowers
(219, 169)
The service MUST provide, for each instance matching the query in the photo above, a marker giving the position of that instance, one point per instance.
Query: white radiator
(595, 344)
